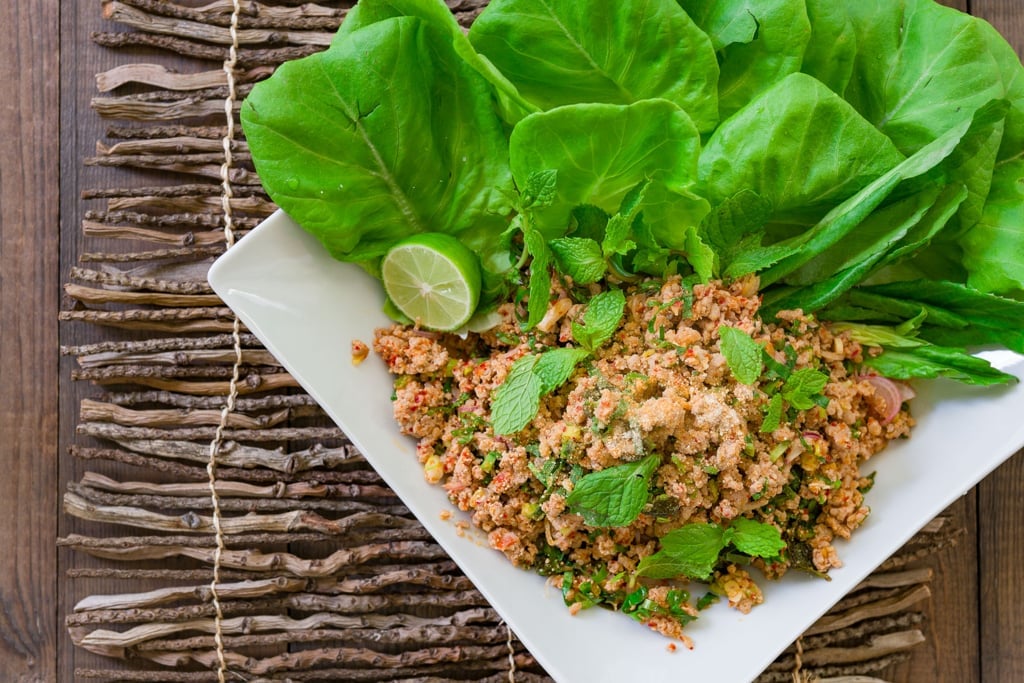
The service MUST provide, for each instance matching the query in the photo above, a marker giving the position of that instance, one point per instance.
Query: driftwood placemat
(284, 557)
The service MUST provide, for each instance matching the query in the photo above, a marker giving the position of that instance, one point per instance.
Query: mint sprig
(579, 257)
(803, 388)
(517, 400)
(693, 550)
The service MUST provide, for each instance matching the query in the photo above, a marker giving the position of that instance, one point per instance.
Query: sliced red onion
(890, 393)
(812, 436)
(906, 391)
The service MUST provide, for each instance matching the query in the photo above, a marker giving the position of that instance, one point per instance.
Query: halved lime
(434, 279)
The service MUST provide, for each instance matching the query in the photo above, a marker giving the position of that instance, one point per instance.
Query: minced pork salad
(695, 442)
(662, 272)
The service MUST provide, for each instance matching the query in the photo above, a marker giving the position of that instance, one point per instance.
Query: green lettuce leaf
(994, 248)
(602, 151)
(773, 146)
(323, 136)
(921, 68)
(781, 32)
(436, 13)
(832, 48)
(560, 52)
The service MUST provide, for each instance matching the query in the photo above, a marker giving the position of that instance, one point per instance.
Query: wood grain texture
(951, 651)
(28, 340)
(1000, 503)
(975, 630)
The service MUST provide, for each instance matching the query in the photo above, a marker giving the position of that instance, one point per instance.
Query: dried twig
(99, 411)
(358, 515)
(185, 401)
(166, 344)
(326, 656)
(186, 278)
(901, 601)
(198, 357)
(174, 130)
(111, 643)
(127, 373)
(174, 146)
(151, 255)
(281, 562)
(164, 596)
(132, 232)
(255, 15)
(166, 444)
(247, 57)
(240, 489)
(93, 295)
(148, 315)
(162, 77)
(196, 473)
(155, 23)
(186, 220)
(190, 164)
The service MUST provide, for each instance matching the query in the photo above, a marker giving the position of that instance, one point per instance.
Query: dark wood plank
(951, 652)
(28, 361)
(1000, 505)
(1001, 558)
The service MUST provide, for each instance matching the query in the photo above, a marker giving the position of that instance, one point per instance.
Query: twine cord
(798, 662)
(229, 404)
(511, 654)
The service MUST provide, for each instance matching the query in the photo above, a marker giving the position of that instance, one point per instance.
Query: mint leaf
(742, 353)
(773, 416)
(700, 255)
(540, 277)
(517, 400)
(616, 236)
(615, 496)
(540, 190)
(554, 367)
(691, 550)
(733, 231)
(801, 388)
(600, 319)
(621, 225)
(758, 539)
(579, 257)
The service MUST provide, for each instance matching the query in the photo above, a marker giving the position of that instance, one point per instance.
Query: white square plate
(307, 308)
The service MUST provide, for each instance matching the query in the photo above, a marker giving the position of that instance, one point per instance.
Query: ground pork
(661, 385)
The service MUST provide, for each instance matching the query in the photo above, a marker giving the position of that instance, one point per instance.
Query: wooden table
(976, 626)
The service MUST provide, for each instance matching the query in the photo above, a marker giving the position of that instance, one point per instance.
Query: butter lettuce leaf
(560, 52)
(774, 50)
(773, 146)
(602, 151)
(385, 134)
